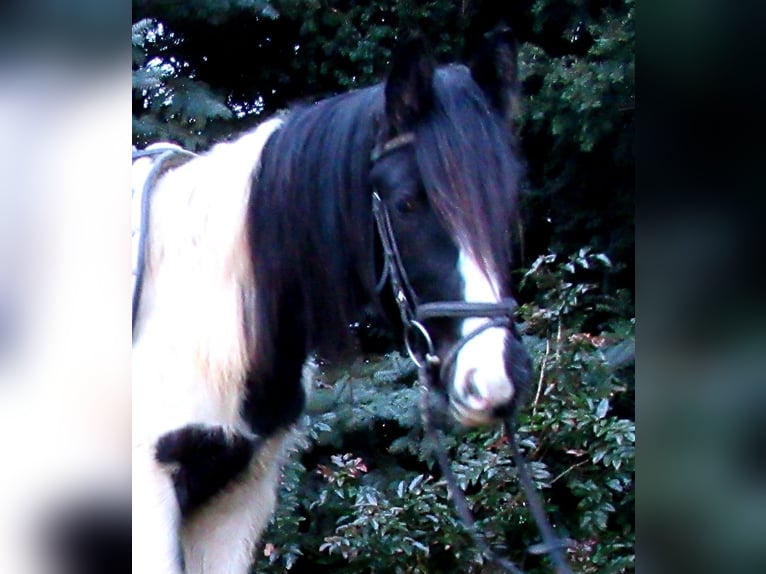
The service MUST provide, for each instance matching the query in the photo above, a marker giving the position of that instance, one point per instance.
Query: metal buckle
(430, 356)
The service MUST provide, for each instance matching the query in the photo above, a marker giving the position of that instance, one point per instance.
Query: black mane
(467, 158)
(310, 221)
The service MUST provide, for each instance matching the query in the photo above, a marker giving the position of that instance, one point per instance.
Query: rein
(433, 369)
(166, 157)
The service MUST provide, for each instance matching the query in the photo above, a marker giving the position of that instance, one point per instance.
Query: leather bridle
(413, 314)
(433, 370)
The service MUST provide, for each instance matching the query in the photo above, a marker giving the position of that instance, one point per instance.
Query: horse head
(445, 178)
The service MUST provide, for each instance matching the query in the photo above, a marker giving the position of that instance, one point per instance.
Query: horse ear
(494, 68)
(409, 87)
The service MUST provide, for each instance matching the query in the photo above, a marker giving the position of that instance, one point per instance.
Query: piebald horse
(262, 251)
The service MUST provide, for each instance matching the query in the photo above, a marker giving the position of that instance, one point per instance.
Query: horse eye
(405, 206)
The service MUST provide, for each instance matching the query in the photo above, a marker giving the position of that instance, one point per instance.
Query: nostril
(471, 389)
(472, 392)
(503, 411)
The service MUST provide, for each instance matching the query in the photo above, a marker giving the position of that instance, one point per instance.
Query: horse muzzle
(485, 370)
(482, 388)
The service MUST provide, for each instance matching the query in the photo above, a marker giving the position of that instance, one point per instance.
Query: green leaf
(415, 483)
(603, 407)
(614, 484)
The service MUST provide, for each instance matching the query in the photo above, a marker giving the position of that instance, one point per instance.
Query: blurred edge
(64, 283)
(701, 338)
(64, 395)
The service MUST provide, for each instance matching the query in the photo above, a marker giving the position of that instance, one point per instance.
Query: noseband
(433, 370)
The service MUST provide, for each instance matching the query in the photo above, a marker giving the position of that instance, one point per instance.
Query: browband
(393, 144)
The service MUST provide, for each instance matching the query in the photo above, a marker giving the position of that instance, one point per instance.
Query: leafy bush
(365, 496)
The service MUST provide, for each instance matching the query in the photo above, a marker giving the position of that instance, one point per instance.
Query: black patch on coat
(207, 459)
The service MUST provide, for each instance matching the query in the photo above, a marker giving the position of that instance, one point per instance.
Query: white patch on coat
(190, 361)
(221, 538)
(480, 361)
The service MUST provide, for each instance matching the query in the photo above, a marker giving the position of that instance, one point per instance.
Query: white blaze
(481, 382)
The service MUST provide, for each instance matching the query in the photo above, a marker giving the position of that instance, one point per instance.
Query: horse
(260, 253)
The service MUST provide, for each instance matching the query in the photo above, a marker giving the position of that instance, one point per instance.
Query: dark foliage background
(363, 495)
